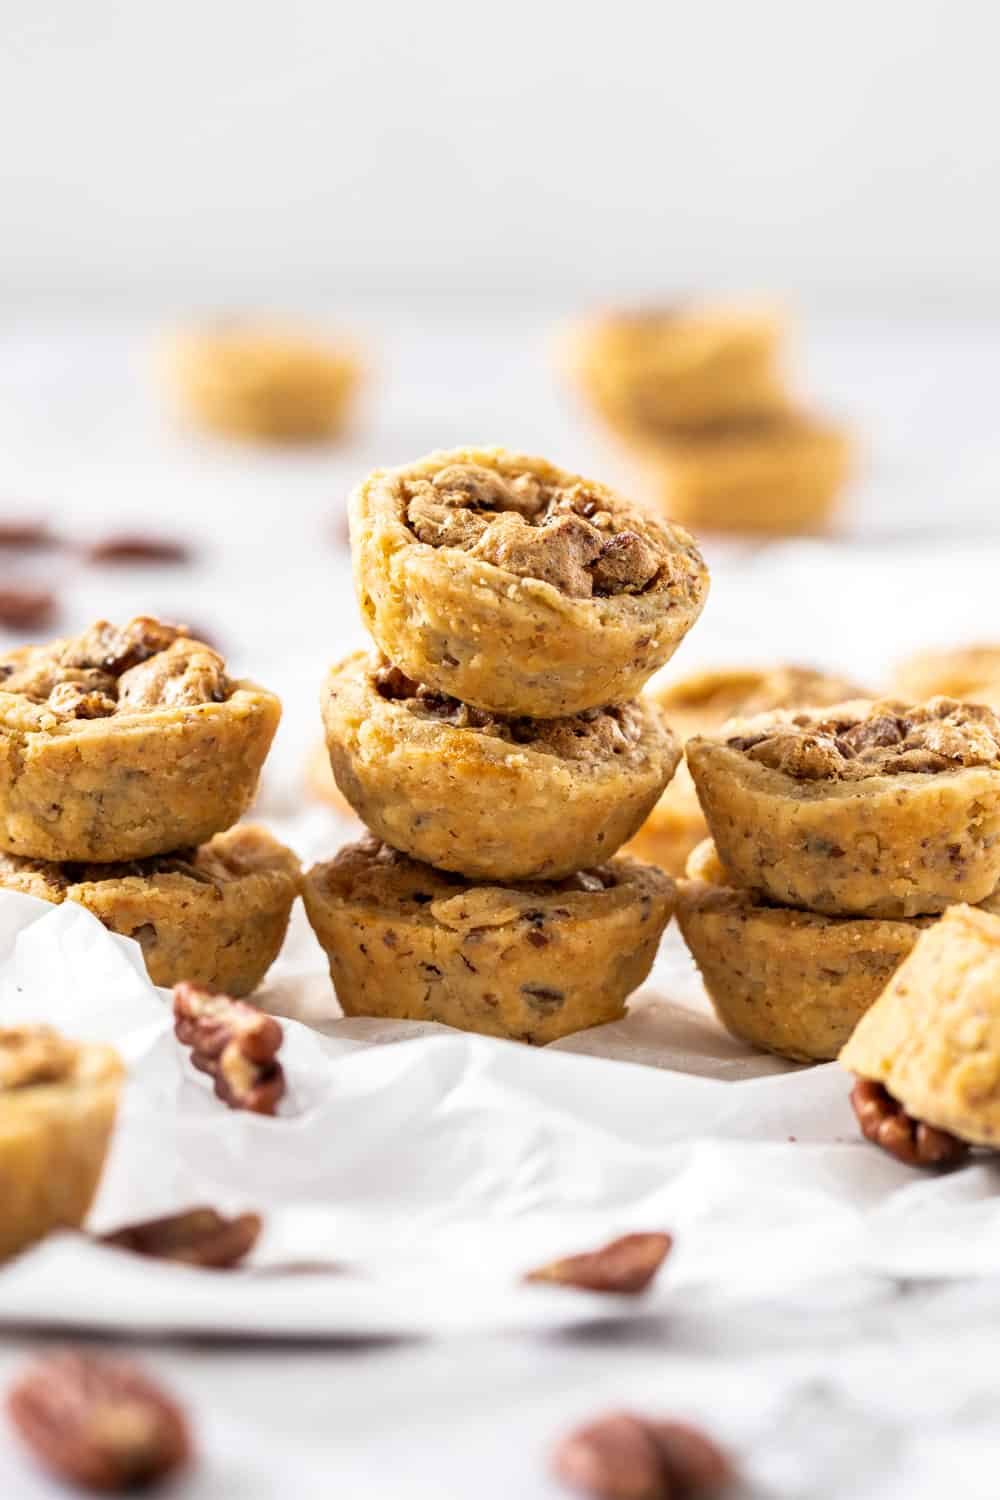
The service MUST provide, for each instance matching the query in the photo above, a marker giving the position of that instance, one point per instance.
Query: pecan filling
(561, 535)
(117, 669)
(594, 734)
(34, 1054)
(885, 739)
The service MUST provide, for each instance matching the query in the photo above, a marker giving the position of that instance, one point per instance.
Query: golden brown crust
(216, 915)
(933, 1037)
(701, 702)
(57, 1110)
(269, 384)
(915, 828)
(491, 797)
(532, 962)
(486, 629)
(124, 743)
(791, 982)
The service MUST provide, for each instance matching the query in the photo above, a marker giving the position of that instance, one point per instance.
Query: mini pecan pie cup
(778, 474)
(57, 1111)
(535, 592)
(216, 916)
(876, 810)
(124, 743)
(699, 703)
(791, 982)
(933, 1036)
(531, 962)
(492, 798)
(659, 366)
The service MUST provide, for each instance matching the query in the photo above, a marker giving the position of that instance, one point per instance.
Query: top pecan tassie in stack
(496, 734)
(129, 750)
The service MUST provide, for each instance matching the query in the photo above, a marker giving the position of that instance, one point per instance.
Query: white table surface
(873, 1388)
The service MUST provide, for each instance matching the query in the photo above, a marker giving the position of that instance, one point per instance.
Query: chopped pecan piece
(115, 648)
(186, 673)
(885, 1123)
(138, 547)
(234, 1043)
(472, 487)
(74, 700)
(625, 1265)
(392, 682)
(626, 565)
(559, 552)
(623, 1456)
(24, 608)
(442, 525)
(199, 1237)
(98, 1423)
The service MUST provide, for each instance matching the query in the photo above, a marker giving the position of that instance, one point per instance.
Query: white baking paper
(435, 1166)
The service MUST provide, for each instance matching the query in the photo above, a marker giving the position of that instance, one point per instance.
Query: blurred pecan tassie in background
(516, 587)
(532, 962)
(266, 383)
(492, 797)
(125, 742)
(57, 1109)
(216, 915)
(971, 673)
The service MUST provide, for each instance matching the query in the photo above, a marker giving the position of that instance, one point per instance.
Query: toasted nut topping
(199, 1237)
(626, 1457)
(625, 1265)
(98, 1423)
(884, 1122)
(137, 547)
(26, 608)
(234, 1043)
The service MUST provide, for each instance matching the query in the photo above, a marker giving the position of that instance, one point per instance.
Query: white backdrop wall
(294, 148)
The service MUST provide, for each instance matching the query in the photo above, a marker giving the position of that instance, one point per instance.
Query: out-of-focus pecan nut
(625, 1265)
(26, 608)
(138, 547)
(234, 1043)
(198, 1237)
(18, 533)
(623, 1456)
(885, 1123)
(98, 1423)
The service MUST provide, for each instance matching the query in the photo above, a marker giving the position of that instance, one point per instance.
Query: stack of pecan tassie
(496, 748)
(126, 755)
(838, 836)
(698, 395)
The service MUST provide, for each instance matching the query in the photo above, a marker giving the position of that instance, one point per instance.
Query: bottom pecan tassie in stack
(840, 835)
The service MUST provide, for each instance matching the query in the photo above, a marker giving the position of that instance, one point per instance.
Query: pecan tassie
(559, 534)
(138, 547)
(626, 1265)
(197, 1237)
(885, 739)
(885, 1123)
(26, 608)
(99, 1423)
(117, 669)
(624, 1456)
(235, 1044)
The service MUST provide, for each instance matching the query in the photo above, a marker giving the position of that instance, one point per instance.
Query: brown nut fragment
(138, 547)
(625, 1265)
(26, 608)
(24, 534)
(98, 1423)
(623, 1456)
(198, 1237)
(234, 1043)
(885, 1123)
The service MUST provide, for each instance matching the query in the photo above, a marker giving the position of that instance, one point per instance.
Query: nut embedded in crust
(491, 797)
(859, 810)
(517, 587)
(791, 982)
(532, 962)
(125, 742)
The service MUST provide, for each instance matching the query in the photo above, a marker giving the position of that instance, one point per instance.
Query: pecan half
(138, 547)
(234, 1043)
(26, 608)
(885, 1123)
(24, 534)
(98, 1423)
(623, 1456)
(198, 1237)
(625, 1265)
